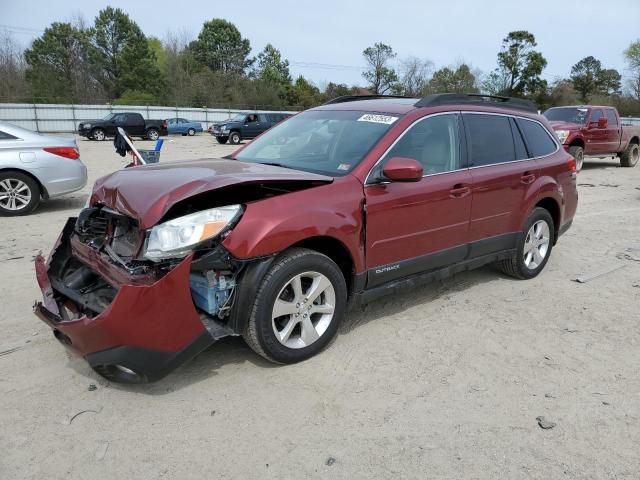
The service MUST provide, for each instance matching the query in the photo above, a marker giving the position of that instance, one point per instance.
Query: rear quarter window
(6, 136)
(538, 139)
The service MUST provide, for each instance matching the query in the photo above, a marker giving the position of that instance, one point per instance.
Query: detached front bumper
(149, 328)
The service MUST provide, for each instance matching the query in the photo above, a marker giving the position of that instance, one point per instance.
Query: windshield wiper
(274, 164)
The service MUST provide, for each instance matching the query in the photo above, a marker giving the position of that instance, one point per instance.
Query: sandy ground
(441, 382)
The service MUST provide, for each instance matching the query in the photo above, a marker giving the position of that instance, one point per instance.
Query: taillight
(164, 124)
(67, 152)
(572, 164)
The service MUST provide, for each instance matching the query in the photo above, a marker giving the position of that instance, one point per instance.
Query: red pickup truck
(595, 131)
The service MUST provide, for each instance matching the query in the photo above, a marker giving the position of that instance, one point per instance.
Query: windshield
(569, 114)
(322, 141)
(109, 117)
(238, 118)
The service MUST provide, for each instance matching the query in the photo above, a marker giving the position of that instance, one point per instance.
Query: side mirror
(603, 122)
(401, 169)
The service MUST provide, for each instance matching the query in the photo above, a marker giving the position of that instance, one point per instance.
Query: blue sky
(324, 39)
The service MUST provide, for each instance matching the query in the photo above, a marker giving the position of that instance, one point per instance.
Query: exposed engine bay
(100, 251)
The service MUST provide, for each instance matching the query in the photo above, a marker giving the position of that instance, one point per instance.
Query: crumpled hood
(147, 192)
(559, 125)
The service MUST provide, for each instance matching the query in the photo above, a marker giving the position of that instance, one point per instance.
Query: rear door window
(490, 139)
(538, 139)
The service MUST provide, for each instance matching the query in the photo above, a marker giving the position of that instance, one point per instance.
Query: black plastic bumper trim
(148, 365)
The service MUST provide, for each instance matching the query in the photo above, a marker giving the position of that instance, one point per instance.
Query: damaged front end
(133, 319)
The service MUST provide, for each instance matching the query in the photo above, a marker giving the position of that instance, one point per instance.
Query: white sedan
(35, 167)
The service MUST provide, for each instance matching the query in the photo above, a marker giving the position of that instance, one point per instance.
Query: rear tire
(310, 292)
(234, 138)
(534, 247)
(152, 134)
(577, 152)
(19, 194)
(222, 140)
(629, 158)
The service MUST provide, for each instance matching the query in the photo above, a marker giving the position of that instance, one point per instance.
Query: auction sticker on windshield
(370, 117)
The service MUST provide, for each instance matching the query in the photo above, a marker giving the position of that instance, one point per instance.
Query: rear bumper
(144, 333)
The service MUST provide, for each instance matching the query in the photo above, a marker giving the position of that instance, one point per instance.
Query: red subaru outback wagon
(339, 204)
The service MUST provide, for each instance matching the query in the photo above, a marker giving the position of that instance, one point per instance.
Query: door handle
(459, 190)
(527, 178)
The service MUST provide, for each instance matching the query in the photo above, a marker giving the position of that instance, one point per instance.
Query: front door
(420, 226)
(251, 127)
(597, 137)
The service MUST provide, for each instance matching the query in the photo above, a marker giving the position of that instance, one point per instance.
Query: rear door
(418, 226)
(135, 123)
(502, 173)
(613, 131)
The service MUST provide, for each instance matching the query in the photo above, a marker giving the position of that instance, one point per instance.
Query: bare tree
(414, 76)
(12, 68)
(380, 75)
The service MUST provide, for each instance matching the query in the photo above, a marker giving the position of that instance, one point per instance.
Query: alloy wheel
(536, 244)
(14, 194)
(303, 310)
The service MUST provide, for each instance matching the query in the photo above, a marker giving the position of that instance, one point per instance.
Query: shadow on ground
(233, 350)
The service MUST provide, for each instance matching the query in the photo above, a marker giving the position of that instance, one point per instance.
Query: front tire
(234, 138)
(534, 247)
(19, 194)
(152, 134)
(98, 134)
(630, 156)
(191, 132)
(298, 308)
(577, 152)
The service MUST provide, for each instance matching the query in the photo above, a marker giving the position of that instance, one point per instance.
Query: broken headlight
(178, 237)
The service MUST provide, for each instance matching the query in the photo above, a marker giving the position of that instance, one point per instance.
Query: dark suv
(345, 202)
(246, 126)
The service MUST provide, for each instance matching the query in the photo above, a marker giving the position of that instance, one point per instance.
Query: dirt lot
(441, 382)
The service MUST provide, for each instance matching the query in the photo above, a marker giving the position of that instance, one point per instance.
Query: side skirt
(406, 283)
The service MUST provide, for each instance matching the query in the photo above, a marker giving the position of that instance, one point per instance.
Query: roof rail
(438, 99)
(355, 98)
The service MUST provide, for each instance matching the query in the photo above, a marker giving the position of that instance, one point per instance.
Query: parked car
(246, 126)
(35, 167)
(183, 126)
(133, 123)
(348, 201)
(597, 131)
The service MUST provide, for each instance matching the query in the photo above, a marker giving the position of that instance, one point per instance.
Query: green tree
(585, 76)
(380, 75)
(520, 65)
(121, 57)
(220, 46)
(335, 90)
(58, 64)
(271, 68)
(450, 80)
(159, 52)
(632, 57)
(305, 94)
(610, 82)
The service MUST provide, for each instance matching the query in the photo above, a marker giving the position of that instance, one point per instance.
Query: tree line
(113, 61)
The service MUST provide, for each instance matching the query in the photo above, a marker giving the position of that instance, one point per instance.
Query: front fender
(272, 225)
